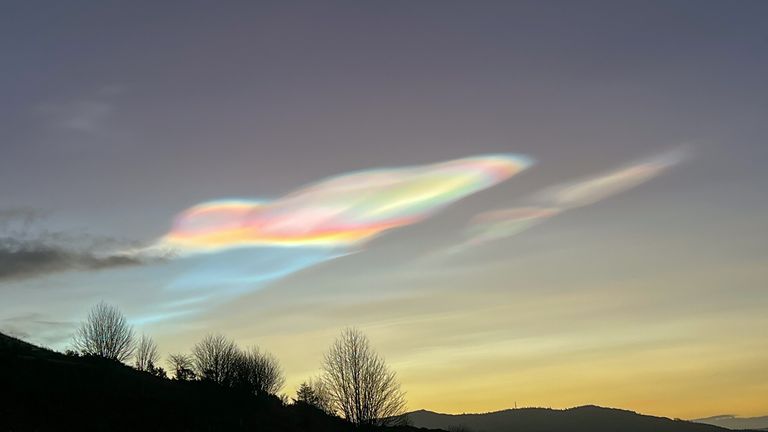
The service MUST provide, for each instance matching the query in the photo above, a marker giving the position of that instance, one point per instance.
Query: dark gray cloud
(22, 259)
(26, 252)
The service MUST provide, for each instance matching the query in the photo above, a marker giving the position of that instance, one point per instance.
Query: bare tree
(362, 388)
(146, 356)
(315, 392)
(106, 333)
(183, 367)
(216, 358)
(260, 372)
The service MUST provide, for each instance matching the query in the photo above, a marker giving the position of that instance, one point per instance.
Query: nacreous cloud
(498, 224)
(338, 212)
(592, 190)
(227, 248)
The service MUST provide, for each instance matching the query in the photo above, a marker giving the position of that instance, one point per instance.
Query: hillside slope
(51, 391)
(586, 419)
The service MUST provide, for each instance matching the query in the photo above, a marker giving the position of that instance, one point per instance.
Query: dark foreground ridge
(43, 390)
(586, 418)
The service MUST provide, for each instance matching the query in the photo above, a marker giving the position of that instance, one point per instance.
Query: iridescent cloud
(498, 224)
(592, 190)
(507, 222)
(227, 248)
(341, 211)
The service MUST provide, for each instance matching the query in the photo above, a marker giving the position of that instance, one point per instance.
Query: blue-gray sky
(117, 115)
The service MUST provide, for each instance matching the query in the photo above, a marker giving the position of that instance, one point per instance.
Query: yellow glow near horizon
(592, 344)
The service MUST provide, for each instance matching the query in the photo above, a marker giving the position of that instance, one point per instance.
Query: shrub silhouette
(315, 393)
(219, 360)
(258, 372)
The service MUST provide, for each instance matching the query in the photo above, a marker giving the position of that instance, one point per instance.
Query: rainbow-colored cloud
(498, 224)
(338, 212)
(227, 248)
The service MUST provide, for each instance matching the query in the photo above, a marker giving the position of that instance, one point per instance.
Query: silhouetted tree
(314, 392)
(305, 394)
(362, 388)
(216, 358)
(106, 333)
(146, 354)
(259, 372)
(183, 367)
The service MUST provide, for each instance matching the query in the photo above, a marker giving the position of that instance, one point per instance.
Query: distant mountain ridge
(588, 418)
(737, 423)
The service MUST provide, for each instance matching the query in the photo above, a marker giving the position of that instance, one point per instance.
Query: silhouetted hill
(586, 419)
(733, 422)
(43, 390)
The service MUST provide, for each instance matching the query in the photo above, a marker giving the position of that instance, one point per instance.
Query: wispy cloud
(79, 115)
(38, 328)
(501, 223)
(22, 217)
(87, 114)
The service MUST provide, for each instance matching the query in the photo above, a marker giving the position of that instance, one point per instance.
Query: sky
(534, 203)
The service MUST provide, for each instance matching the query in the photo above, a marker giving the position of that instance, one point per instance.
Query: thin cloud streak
(84, 116)
(503, 223)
